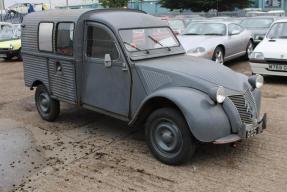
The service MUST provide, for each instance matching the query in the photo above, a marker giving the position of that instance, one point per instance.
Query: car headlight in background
(257, 55)
(218, 94)
(256, 81)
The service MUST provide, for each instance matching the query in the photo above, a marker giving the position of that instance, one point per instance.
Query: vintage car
(115, 62)
(270, 56)
(217, 40)
(10, 41)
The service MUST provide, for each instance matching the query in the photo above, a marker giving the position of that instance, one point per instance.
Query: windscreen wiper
(157, 42)
(135, 47)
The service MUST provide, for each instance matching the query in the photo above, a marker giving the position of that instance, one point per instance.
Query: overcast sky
(54, 2)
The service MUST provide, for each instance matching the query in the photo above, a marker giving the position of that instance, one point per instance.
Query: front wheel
(249, 49)
(168, 136)
(47, 107)
(218, 56)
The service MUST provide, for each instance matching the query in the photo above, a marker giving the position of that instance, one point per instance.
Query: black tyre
(47, 107)
(8, 58)
(218, 55)
(19, 56)
(249, 49)
(168, 136)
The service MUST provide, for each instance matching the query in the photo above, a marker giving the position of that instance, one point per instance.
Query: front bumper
(8, 53)
(246, 132)
(263, 69)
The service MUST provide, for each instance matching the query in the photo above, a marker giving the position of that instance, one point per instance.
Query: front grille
(246, 106)
(276, 61)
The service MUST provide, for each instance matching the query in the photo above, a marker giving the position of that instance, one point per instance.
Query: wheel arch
(222, 47)
(207, 120)
(151, 104)
(36, 83)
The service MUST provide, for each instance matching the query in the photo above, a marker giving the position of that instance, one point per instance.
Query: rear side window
(99, 43)
(65, 38)
(45, 37)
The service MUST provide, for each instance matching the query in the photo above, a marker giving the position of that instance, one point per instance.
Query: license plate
(3, 55)
(277, 67)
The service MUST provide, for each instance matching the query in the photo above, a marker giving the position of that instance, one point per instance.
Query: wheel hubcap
(250, 49)
(219, 58)
(44, 101)
(167, 137)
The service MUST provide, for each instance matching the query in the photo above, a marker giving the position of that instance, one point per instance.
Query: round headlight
(220, 95)
(259, 81)
(256, 81)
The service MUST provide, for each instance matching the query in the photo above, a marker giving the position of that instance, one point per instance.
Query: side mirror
(234, 32)
(108, 60)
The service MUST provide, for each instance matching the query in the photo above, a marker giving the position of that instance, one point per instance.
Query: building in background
(272, 4)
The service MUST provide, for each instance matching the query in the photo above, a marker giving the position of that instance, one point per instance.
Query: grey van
(130, 66)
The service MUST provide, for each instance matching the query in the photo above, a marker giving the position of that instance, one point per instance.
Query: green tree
(114, 3)
(205, 5)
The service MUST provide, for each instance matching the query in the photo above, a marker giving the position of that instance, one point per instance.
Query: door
(106, 85)
(62, 67)
(236, 39)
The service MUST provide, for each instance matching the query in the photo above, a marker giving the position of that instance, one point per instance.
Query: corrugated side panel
(62, 84)
(35, 68)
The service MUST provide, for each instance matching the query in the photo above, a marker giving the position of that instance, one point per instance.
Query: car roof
(116, 18)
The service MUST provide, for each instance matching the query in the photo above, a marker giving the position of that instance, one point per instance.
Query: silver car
(217, 40)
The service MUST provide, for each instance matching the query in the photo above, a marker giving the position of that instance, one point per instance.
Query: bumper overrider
(244, 118)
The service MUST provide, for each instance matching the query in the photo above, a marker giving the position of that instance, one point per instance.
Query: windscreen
(148, 39)
(176, 24)
(256, 23)
(6, 33)
(206, 29)
(278, 31)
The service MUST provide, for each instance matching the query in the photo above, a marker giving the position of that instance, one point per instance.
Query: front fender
(206, 119)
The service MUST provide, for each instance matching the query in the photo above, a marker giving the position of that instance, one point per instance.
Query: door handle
(58, 67)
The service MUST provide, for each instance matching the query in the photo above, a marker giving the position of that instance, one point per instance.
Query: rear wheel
(47, 107)
(168, 136)
(218, 56)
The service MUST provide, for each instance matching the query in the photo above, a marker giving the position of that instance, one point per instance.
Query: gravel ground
(84, 151)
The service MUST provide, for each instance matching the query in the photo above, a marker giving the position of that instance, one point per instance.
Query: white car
(270, 56)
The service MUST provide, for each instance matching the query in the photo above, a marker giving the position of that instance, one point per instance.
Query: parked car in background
(179, 100)
(10, 41)
(177, 25)
(270, 56)
(258, 26)
(216, 40)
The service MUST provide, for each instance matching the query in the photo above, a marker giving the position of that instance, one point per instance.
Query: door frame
(122, 58)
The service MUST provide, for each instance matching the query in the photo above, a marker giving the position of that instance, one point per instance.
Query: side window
(100, 42)
(45, 37)
(235, 29)
(65, 38)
